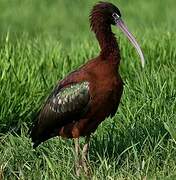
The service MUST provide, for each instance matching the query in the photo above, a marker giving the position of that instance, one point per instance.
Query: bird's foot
(86, 168)
(78, 168)
(82, 166)
(85, 162)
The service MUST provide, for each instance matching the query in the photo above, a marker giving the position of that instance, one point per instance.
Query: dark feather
(65, 105)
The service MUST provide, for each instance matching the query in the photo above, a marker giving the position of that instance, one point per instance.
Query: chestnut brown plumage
(82, 100)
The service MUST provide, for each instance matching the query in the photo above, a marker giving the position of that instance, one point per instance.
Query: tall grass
(41, 42)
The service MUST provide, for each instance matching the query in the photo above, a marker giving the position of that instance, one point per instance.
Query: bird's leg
(85, 150)
(77, 157)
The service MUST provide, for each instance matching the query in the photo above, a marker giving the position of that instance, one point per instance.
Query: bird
(87, 96)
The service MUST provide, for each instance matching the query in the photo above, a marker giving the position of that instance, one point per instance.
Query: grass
(41, 42)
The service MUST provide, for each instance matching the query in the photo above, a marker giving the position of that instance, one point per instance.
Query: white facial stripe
(115, 16)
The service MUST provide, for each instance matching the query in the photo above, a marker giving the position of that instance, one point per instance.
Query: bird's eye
(115, 16)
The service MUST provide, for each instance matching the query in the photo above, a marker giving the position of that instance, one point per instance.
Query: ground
(42, 41)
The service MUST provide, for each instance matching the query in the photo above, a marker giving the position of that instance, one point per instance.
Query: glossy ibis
(81, 101)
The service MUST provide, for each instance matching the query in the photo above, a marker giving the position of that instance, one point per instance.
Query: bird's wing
(68, 102)
(70, 99)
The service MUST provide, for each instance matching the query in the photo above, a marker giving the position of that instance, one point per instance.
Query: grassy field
(41, 42)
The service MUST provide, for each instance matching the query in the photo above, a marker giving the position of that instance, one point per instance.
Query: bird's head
(108, 14)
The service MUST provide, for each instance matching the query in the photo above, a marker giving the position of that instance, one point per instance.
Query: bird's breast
(102, 92)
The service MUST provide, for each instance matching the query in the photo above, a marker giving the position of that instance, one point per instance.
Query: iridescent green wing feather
(71, 98)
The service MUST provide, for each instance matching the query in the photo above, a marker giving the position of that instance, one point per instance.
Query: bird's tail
(33, 131)
(39, 134)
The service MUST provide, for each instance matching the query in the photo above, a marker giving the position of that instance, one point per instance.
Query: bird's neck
(107, 42)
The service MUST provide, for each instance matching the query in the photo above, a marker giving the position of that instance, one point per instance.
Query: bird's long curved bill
(131, 38)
